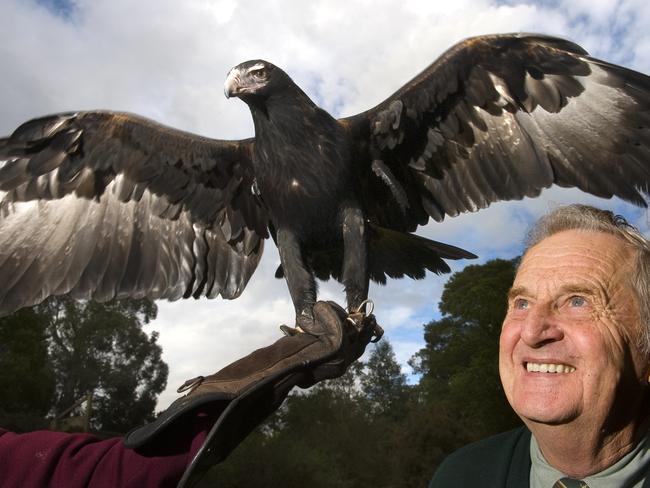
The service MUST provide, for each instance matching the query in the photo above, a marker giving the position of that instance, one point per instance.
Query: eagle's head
(254, 79)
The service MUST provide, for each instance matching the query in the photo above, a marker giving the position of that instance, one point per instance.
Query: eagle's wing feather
(499, 118)
(104, 205)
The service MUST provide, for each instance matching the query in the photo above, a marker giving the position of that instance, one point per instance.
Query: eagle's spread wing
(104, 205)
(499, 118)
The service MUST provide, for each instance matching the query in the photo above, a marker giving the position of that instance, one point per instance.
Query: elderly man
(574, 361)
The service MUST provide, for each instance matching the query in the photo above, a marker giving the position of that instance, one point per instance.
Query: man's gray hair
(587, 218)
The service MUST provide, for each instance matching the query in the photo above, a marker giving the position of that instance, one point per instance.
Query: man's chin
(540, 412)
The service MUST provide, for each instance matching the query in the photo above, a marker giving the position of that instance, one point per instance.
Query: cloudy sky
(167, 60)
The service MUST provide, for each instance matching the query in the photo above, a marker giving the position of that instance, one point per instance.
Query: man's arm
(57, 459)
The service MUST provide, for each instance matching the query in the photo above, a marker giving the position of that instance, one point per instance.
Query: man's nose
(541, 327)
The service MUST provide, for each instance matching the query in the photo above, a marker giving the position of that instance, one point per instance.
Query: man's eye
(521, 304)
(577, 301)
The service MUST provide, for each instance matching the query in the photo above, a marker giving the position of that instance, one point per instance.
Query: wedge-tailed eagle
(126, 207)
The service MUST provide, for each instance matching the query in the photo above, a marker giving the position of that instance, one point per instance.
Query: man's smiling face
(569, 346)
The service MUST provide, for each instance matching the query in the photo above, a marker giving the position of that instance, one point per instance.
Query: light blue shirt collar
(629, 472)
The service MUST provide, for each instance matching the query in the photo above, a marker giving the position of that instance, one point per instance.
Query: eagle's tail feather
(397, 254)
(391, 254)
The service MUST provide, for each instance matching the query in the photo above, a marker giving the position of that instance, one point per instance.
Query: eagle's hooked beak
(231, 86)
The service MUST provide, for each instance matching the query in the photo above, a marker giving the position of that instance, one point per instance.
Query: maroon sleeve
(57, 459)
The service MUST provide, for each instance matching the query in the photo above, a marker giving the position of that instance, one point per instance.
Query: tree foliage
(459, 363)
(56, 352)
(102, 348)
(27, 379)
(383, 383)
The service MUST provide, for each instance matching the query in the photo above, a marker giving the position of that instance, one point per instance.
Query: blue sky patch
(60, 8)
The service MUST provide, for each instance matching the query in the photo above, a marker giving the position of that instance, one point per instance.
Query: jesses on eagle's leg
(355, 259)
(300, 280)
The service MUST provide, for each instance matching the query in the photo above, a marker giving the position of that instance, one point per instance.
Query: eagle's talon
(291, 331)
(377, 333)
(366, 320)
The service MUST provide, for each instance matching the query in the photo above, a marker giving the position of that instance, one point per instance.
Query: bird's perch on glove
(245, 392)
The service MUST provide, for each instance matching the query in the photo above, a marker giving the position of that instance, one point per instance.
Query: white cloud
(167, 60)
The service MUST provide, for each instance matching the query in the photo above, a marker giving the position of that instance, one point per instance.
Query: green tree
(26, 376)
(382, 381)
(459, 364)
(102, 348)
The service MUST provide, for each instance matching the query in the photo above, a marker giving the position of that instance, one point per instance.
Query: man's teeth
(549, 368)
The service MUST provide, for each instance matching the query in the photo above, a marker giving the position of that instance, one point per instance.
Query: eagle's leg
(355, 259)
(300, 280)
(356, 276)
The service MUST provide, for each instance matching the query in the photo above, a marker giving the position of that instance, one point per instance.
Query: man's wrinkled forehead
(577, 252)
(568, 244)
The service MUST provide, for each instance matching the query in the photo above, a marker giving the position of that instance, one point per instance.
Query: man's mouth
(549, 368)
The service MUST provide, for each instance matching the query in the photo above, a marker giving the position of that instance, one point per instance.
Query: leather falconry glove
(247, 391)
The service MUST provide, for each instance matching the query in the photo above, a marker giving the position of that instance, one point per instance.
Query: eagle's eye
(260, 73)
